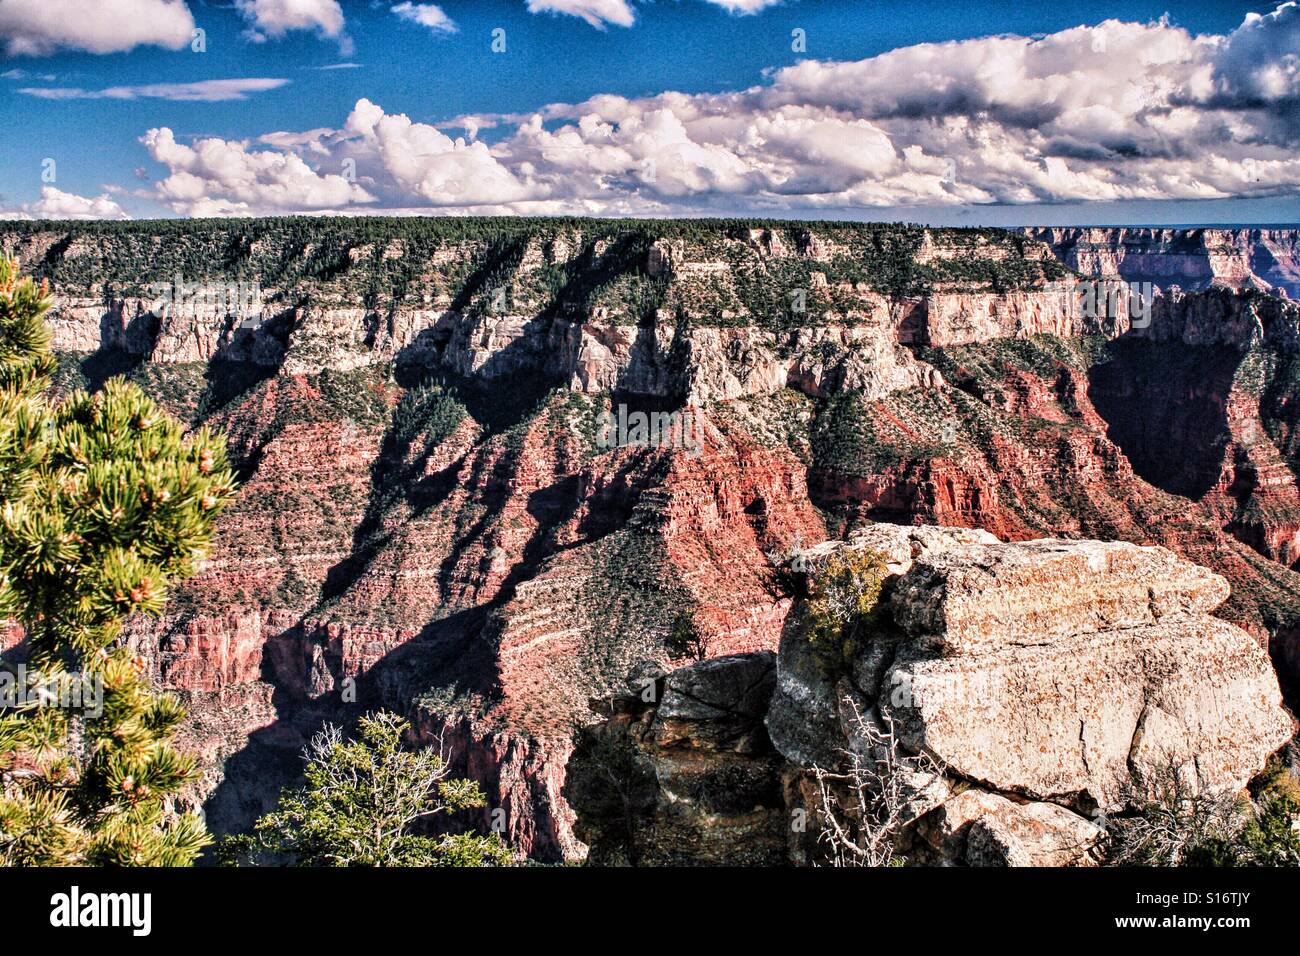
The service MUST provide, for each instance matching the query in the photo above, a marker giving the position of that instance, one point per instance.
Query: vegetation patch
(844, 610)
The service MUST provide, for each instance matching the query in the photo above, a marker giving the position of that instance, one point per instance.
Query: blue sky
(1178, 120)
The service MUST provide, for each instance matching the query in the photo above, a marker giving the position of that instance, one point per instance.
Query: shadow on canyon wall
(1166, 407)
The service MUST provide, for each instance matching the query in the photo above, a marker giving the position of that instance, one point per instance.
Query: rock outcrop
(804, 718)
(1048, 684)
(1079, 671)
(698, 365)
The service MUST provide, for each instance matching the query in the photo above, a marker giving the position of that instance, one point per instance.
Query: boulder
(716, 704)
(1041, 669)
(945, 829)
(983, 597)
(1030, 834)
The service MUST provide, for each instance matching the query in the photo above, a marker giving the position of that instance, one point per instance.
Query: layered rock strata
(1258, 258)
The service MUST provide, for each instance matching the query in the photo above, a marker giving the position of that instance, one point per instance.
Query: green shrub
(685, 642)
(1182, 825)
(362, 806)
(1271, 833)
(844, 609)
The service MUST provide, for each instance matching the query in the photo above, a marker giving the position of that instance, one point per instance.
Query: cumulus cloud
(227, 177)
(423, 162)
(40, 27)
(204, 91)
(1113, 111)
(275, 18)
(1259, 64)
(427, 15)
(57, 204)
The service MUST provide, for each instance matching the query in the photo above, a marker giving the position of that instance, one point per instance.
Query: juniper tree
(106, 502)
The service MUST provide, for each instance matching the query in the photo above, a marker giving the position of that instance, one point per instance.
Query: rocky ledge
(1043, 685)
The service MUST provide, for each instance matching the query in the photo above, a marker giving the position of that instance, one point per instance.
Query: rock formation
(1051, 683)
(684, 773)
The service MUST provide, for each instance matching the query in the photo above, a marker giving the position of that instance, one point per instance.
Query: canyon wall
(1193, 259)
(431, 517)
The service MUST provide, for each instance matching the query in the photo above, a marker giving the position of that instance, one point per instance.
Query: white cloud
(205, 91)
(596, 12)
(216, 176)
(1114, 111)
(620, 13)
(427, 15)
(56, 204)
(17, 75)
(1260, 62)
(275, 18)
(423, 162)
(40, 27)
(745, 6)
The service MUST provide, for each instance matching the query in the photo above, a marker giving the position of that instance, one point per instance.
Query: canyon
(428, 522)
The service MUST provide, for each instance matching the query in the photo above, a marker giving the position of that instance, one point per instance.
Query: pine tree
(106, 502)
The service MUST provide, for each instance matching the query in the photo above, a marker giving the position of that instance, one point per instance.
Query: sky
(997, 113)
